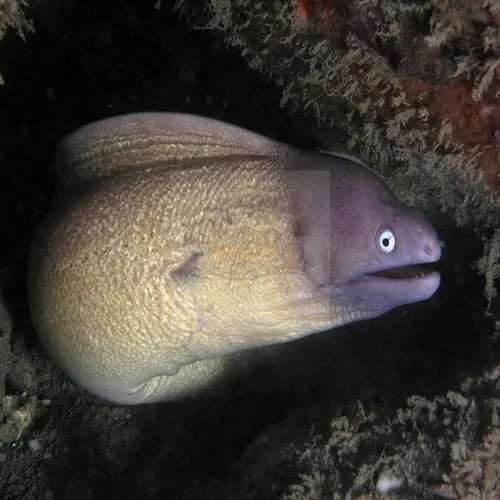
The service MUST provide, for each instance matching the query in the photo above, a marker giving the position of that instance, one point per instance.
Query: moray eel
(175, 242)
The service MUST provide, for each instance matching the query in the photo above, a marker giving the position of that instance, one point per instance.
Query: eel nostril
(433, 249)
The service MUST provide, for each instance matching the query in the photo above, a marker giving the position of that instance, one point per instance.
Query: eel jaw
(413, 282)
(373, 294)
(413, 271)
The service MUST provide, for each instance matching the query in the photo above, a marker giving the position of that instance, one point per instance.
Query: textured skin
(161, 254)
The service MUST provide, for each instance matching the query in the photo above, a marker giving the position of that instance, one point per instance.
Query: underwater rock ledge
(413, 87)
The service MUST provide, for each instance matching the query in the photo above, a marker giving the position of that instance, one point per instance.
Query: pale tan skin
(164, 252)
(129, 297)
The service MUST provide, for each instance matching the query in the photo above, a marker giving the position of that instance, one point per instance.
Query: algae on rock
(12, 15)
(375, 73)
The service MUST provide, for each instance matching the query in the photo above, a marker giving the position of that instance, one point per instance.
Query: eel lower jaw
(414, 282)
(404, 284)
(415, 271)
(379, 292)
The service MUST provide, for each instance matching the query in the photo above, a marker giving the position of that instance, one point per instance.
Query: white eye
(386, 241)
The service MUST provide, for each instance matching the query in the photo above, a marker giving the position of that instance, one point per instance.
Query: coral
(403, 453)
(489, 265)
(11, 14)
(479, 476)
(5, 331)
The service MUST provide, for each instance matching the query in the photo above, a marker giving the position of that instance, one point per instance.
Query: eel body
(175, 240)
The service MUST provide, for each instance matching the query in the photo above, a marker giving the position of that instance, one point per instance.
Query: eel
(175, 242)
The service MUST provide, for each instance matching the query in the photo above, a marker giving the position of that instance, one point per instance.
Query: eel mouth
(386, 289)
(411, 272)
(373, 294)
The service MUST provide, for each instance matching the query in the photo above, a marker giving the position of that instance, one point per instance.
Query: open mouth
(415, 271)
(381, 291)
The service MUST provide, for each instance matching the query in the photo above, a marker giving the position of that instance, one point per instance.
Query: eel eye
(386, 241)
